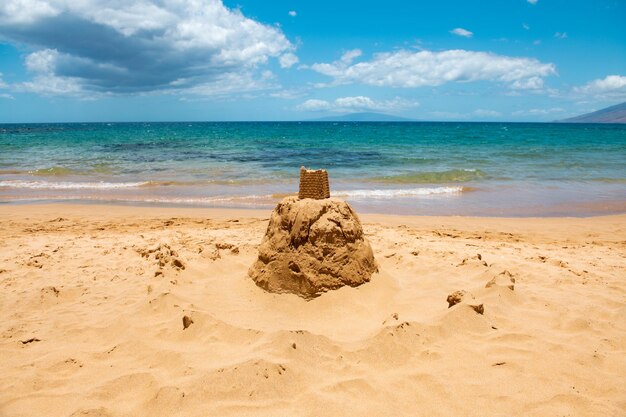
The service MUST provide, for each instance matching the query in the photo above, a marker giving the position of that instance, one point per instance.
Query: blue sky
(169, 60)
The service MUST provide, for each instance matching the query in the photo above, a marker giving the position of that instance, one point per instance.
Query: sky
(249, 60)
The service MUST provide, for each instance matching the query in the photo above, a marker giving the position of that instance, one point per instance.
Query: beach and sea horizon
(423, 168)
(454, 246)
(133, 267)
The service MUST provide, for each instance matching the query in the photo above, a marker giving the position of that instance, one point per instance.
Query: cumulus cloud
(125, 46)
(315, 105)
(411, 69)
(533, 1)
(356, 103)
(610, 87)
(50, 85)
(42, 61)
(288, 60)
(292, 13)
(26, 11)
(462, 32)
(560, 35)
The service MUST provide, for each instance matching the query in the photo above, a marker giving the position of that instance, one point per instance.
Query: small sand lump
(455, 298)
(312, 246)
(187, 321)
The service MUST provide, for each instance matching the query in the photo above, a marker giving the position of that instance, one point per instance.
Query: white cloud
(42, 61)
(486, 113)
(409, 69)
(288, 94)
(44, 82)
(356, 103)
(288, 60)
(292, 13)
(533, 1)
(7, 96)
(525, 26)
(462, 32)
(2, 83)
(560, 35)
(532, 83)
(50, 85)
(609, 87)
(351, 55)
(314, 105)
(26, 11)
(138, 46)
(538, 112)
(478, 114)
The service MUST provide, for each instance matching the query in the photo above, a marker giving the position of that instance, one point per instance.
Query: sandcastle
(313, 243)
(314, 183)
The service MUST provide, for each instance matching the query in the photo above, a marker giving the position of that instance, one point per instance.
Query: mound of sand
(312, 246)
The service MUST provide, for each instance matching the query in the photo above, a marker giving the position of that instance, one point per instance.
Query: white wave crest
(408, 192)
(66, 185)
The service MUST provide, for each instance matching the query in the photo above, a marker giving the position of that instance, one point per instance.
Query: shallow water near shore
(490, 169)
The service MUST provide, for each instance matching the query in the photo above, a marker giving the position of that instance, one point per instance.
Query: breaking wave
(67, 185)
(409, 192)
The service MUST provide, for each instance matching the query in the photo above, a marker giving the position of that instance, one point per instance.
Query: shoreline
(579, 211)
(81, 207)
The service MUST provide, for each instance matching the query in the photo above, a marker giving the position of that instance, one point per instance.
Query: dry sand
(312, 246)
(93, 300)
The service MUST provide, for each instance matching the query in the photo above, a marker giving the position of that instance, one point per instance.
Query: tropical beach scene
(220, 208)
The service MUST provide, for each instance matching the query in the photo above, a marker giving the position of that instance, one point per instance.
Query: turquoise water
(496, 169)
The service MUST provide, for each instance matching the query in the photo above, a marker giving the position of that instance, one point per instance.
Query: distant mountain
(363, 117)
(613, 114)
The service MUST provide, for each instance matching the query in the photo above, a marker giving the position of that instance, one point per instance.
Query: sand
(312, 246)
(94, 300)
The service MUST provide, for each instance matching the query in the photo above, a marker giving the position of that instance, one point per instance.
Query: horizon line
(308, 121)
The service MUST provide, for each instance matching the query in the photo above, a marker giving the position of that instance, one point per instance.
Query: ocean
(477, 169)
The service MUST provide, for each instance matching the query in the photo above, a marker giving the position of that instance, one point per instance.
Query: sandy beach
(93, 300)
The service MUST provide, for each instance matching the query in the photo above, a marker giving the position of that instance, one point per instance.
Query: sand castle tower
(314, 184)
(313, 243)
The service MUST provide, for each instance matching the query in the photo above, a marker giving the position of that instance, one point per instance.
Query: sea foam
(67, 185)
(408, 192)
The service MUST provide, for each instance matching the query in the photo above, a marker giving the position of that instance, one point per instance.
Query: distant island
(613, 114)
(363, 117)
